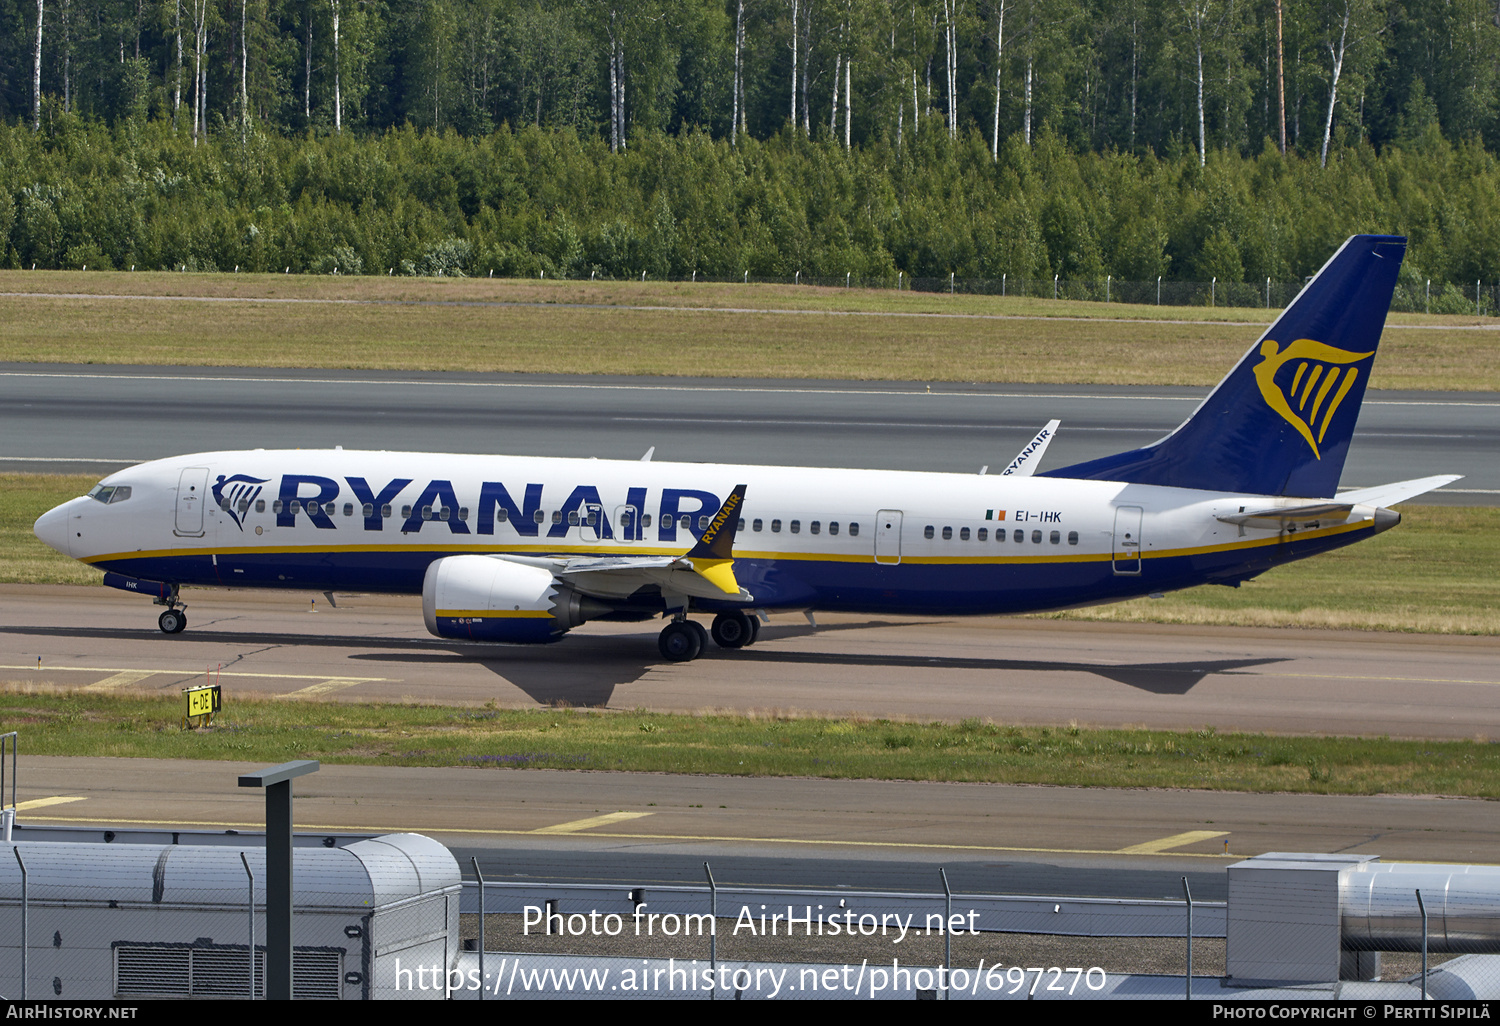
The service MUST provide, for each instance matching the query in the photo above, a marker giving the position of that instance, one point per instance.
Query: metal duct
(1378, 908)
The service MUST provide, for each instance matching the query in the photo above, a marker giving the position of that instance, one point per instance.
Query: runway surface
(1008, 670)
(545, 824)
(96, 419)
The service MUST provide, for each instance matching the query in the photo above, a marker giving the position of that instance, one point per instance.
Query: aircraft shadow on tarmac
(584, 671)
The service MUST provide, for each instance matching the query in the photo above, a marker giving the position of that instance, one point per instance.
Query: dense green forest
(1164, 75)
(981, 138)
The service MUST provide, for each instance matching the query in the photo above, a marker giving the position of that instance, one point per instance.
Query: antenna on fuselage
(649, 453)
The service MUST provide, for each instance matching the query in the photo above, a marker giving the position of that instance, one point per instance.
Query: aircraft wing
(705, 571)
(617, 578)
(1390, 494)
(1282, 517)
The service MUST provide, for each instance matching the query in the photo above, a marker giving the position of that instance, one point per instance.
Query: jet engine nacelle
(480, 598)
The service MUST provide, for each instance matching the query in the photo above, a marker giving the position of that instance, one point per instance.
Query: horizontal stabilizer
(1290, 515)
(1030, 457)
(1390, 494)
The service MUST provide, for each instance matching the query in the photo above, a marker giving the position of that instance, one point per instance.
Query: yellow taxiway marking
(1175, 841)
(355, 828)
(329, 685)
(1399, 680)
(593, 821)
(122, 679)
(433, 828)
(195, 673)
(42, 803)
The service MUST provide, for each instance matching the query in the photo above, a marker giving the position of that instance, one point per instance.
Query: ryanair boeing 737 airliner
(523, 549)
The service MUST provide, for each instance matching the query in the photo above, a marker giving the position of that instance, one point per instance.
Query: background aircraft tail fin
(1280, 423)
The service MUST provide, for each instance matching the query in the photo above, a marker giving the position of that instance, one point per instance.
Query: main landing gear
(175, 618)
(683, 640)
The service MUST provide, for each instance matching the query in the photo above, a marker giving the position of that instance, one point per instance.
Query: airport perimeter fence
(173, 923)
(561, 941)
(1422, 297)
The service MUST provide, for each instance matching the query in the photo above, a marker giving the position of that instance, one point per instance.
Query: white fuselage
(808, 537)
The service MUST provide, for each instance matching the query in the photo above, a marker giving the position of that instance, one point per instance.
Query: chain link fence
(151, 922)
(533, 940)
(1422, 296)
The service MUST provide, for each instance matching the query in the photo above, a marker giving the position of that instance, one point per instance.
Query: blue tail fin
(1281, 422)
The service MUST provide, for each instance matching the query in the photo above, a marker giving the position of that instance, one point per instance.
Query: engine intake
(480, 598)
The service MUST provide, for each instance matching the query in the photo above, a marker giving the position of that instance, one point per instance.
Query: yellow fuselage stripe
(627, 549)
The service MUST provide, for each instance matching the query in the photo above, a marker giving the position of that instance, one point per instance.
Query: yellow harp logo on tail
(1319, 378)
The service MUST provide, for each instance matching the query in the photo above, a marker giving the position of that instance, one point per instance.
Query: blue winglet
(1280, 423)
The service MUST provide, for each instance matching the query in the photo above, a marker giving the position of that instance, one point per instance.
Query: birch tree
(1349, 28)
(335, 9)
(999, 67)
(36, 73)
(200, 10)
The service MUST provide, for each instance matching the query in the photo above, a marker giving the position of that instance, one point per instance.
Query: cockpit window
(110, 493)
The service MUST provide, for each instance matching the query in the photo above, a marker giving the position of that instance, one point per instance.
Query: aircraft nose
(52, 528)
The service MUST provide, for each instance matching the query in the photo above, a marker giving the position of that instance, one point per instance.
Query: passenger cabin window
(556, 516)
(385, 510)
(539, 517)
(963, 534)
(741, 526)
(755, 525)
(1055, 537)
(776, 527)
(348, 509)
(593, 518)
(572, 518)
(815, 527)
(685, 522)
(703, 522)
(296, 507)
(947, 534)
(405, 512)
(1019, 536)
(853, 529)
(928, 532)
(445, 513)
(833, 527)
(368, 510)
(426, 512)
(645, 519)
(795, 527)
(1072, 537)
(984, 534)
(1036, 537)
(244, 505)
(501, 514)
(260, 505)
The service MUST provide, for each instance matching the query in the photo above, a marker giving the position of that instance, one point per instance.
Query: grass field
(271, 731)
(1438, 572)
(679, 329)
